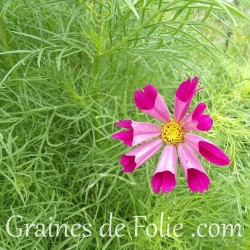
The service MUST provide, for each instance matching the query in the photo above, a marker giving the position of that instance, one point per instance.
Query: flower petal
(165, 174)
(183, 98)
(207, 149)
(137, 132)
(196, 176)
(150, 102)
(205, 123)
(196, 120)
(124, 123)
(138, 156)
(125, 136)
(195, 114)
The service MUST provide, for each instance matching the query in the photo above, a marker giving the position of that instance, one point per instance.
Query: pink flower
(175, 135)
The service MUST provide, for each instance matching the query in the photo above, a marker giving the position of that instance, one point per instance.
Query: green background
(68, 71)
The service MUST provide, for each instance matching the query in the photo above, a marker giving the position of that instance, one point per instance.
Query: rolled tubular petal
(125, 136)
(195, 114)
(150, 102)
(183, 98)
(205, 123)
(138, 156)
(207, 149)
(196, 120)
(124, 123)
(196, 176)
(198, 111)
(165, 175)
(136, 132)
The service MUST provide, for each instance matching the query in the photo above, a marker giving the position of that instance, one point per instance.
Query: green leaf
(131, 6)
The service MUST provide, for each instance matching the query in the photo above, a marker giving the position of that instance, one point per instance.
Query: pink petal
(143, 131)
(125, 136)
(183, 98)
(165, 174)
(196, 176)
(205, 123)
(197, 180)
(198, 111)
(124, 123)
(137, 132)
(150, 102)
(138, 156)
(207, 149)
(195, 114)
(145, 99)
(187, 89)
(196, 120)
(128, 162)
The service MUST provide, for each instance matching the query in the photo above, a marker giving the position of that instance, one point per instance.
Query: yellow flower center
(172, 133)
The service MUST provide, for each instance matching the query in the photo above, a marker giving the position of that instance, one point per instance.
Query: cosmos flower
(174, 134)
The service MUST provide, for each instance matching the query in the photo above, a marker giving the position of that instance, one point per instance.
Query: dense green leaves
(68, 70)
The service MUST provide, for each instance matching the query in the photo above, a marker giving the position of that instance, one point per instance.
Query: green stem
(95, 67)
(126, 39)
(4, 38)
(141, 27)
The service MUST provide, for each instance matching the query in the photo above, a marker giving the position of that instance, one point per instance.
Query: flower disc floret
(172, 133)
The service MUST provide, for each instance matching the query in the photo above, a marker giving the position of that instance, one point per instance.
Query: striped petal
(197, 121)
(136, 132)
(196, 176)
(151, 103)
(207, 149)
(183, 97)
(165, 175)
(138, 156)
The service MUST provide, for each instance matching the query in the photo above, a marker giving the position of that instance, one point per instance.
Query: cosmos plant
(174, 134)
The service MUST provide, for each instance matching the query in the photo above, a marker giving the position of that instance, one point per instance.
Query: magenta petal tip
(125, 136)
(124, 123)
(187, 89)
(197, 181)
(145, 99)
(164, 181)
(128, 163)
(213, 154)
(205, 123)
